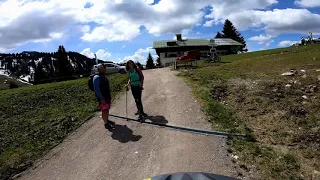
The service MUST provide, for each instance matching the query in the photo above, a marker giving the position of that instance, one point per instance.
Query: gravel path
(135, 151)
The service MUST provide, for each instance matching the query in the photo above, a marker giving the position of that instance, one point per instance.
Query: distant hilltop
(33, 66)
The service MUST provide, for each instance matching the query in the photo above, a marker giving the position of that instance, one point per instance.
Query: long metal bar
(186, 129)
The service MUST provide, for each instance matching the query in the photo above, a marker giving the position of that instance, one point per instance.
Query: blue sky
(120, 29)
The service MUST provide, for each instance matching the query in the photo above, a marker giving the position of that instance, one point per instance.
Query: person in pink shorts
(103, 94)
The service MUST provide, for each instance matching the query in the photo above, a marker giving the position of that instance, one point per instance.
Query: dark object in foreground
(191, 176)
(13, 85)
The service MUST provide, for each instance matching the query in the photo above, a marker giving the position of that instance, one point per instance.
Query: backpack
(90, 83)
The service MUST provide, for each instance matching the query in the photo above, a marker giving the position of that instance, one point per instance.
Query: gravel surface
(135, 151)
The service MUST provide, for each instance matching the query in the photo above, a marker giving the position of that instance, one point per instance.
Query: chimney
(179, 37)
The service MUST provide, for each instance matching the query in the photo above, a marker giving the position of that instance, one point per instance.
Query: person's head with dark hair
(101, 68)
(130, 65)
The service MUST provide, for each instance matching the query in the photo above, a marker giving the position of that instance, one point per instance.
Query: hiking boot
(111, 122)
(140, 118)
(109, 126)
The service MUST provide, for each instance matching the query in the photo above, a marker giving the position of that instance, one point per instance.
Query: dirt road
(135, 151)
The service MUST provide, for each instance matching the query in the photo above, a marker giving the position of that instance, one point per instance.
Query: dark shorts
(105, 106)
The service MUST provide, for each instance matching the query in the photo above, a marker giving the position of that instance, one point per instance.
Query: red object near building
(190, 55)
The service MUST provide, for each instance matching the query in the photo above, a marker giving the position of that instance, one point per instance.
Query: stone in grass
(287, 74)
(235, 157)
(316, 174)
(288, 85)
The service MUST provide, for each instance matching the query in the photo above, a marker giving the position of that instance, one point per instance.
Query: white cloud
(85, 29)
(119, 31)
(101, 53)
(52, 36)
(252, 13)
(260, 38)
(287, 43)
(34, 21)
(136, 57)
(267, 44)
(308, 3)
(210, 23)
(222, 10)
(278, 21)
(146, 50)
(141, 55)
(149, 1)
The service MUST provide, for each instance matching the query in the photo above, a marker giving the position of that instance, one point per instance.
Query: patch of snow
(4, 72)
(22, 81)
(31, 70)
(26, 78)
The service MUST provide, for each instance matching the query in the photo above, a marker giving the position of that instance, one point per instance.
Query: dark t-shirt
(101, 87)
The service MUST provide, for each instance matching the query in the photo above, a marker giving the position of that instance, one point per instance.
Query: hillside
(5, 82)
(247, 93)
(33, 119)
(26, 64)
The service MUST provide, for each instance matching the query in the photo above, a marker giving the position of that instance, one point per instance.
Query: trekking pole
(127, 89)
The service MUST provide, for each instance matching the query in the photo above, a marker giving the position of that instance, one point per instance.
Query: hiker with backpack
(99, 83)
(136, 79)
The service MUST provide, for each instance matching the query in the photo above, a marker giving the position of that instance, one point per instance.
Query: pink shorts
(104, 107)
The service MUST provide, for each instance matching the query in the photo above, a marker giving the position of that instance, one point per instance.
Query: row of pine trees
(47, 67)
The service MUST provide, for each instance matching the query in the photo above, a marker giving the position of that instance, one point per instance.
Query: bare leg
(105, 116)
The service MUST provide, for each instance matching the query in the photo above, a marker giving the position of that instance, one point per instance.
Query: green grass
(247, 94)
(36, 118)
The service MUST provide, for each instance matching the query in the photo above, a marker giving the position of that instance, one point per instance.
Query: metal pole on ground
(186, 129)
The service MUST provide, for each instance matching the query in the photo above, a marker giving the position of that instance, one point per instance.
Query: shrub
(13, 85)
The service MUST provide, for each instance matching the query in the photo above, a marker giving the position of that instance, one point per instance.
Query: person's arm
(141, 75)
(96, 85)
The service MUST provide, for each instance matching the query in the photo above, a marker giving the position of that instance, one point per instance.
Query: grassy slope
(247, 94)
(36, 118)
(4, 82)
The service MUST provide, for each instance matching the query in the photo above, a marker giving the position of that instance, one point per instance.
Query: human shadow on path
(157, 119)
(124, 134)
